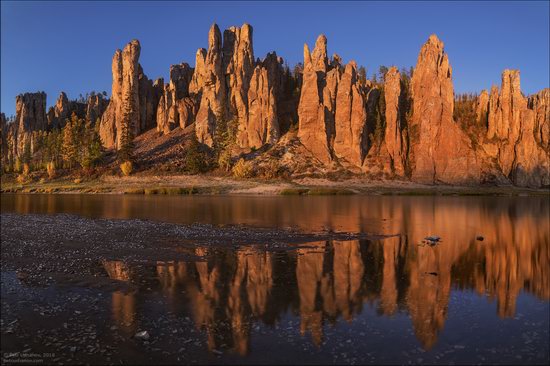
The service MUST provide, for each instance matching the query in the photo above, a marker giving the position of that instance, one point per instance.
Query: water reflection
(327, 282)
(229, 289)
(505, 217)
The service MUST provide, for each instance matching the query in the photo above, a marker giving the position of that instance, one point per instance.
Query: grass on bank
(163, 190)
(318, 191)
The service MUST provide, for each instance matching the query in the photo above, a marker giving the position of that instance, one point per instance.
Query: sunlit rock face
(440, 151)
(517, 132)
(238, 67)
(393, 139)
(132, 97)
(62, 110)
(30, 116)
(95, 107)
(540, 104)
(176, 108)
(350, 118)
(260, 125)
(332, 110)
(315, 129)
(231, 85)
(209, 81)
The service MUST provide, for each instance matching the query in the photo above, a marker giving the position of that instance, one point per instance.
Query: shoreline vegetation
(222, 185)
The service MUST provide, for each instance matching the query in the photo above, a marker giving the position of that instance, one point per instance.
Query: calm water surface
(384, 301)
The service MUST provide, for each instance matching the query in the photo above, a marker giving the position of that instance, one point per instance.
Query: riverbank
(213, 185)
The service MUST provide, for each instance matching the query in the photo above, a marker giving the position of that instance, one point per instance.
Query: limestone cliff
(209, 82)
(63, 110)
(316, 124)
(30, 116)
(517, 132)
(440, 151)
(176, 108)
(132, 96)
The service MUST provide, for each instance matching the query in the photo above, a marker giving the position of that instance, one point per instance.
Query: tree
(69, 151)
(362, 74)
(382, 71)
(374, 79)
(92, 147)
(27, 155)
(54, 143)
(377, 120)
(126, 144)
(225, 137)
(195, 160)
(298, 70)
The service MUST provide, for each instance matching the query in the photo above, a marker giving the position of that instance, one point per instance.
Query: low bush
(126, 168)
(294, 191)
(242, 169)
(25, 175)
(134, 191)
(329, 191)
(271, 170)
(50, 168)
(17, 166)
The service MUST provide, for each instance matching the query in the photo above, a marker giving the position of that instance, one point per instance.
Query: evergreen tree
(93, 148)
(27, 155)
(225, 137)
(69, 151)
(195, 160)
(362, 72)
(382, 71)
(126, 145)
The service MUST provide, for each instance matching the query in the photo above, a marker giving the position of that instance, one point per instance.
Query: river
(480, 294)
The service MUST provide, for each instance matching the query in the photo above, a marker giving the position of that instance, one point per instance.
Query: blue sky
(68, 46)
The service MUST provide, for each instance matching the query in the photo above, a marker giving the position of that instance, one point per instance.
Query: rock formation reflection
(123, 303)
(229, 290)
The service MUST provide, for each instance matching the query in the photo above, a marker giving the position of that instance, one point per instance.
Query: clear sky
(68, 46)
